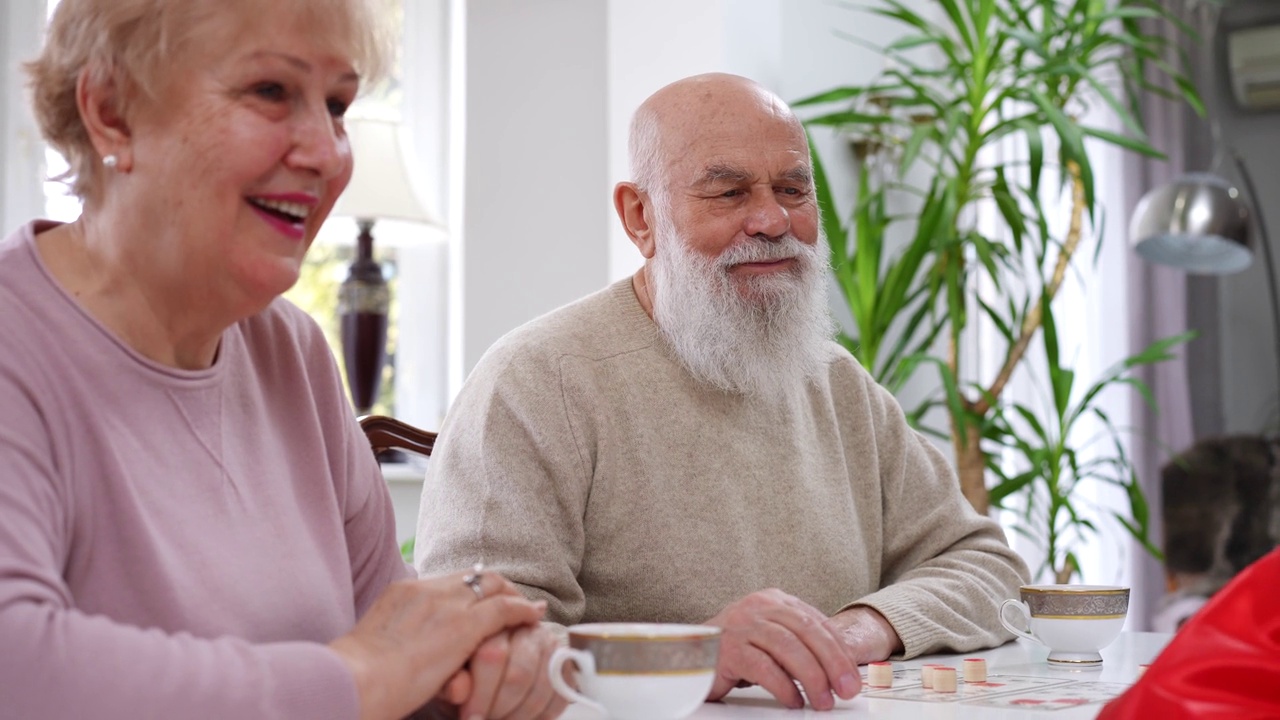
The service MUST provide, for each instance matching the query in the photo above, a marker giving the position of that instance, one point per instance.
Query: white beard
(753, 335)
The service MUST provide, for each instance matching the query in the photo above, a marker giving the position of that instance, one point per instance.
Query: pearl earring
(110, 162)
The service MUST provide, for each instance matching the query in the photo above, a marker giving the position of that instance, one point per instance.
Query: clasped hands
(772, 639)
(507, 678)
(470, 653)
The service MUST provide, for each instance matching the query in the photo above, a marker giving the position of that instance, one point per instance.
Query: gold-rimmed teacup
(639, 671)
(1073, 621)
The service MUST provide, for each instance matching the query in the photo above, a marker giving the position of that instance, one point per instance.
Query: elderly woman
(191, 524)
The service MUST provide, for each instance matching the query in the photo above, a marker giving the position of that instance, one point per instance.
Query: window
(59, 203)
(414, 257)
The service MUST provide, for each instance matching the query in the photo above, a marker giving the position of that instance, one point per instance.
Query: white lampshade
(380, 188)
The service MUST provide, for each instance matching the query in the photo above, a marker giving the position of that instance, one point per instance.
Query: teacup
(1073, 621)
(639, 671)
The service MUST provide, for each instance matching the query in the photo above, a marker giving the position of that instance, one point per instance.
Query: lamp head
(381, 186)
(1197, 222)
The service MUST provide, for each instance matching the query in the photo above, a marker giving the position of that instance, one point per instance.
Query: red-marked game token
(880, 674)
(944, 679)
(975, 670)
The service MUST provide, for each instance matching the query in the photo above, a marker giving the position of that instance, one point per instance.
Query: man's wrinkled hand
(772, 639)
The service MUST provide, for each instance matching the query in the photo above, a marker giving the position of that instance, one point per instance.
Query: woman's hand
(420, 632)
(509, 676)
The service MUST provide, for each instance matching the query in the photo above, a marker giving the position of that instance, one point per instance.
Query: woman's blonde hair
(133, 43)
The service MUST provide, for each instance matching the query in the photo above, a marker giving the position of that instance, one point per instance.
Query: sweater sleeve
(508, 482)
(945, 569)
(369, 521)
(60, 662)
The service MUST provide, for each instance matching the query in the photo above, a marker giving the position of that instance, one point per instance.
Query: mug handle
(1025, 612)
(586, 664)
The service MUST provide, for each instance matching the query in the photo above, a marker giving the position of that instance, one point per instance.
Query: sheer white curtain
(1115, 306)
(1089, 310)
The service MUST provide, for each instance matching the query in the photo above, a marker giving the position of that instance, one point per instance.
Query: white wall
(533, 218)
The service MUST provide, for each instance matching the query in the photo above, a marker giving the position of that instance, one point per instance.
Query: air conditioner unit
(1253, 56)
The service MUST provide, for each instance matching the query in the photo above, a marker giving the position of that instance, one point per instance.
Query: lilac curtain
(1165, 301)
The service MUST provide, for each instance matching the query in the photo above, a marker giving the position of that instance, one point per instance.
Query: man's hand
(865, 633)
(770, 637)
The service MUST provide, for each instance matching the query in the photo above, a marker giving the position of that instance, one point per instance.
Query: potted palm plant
(970, 84)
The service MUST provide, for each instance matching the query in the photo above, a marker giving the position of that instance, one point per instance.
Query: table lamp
(379, 190)
(1199, 223)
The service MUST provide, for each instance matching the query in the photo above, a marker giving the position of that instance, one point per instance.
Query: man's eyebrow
(723, 173)
(799, 174)
(716, 174)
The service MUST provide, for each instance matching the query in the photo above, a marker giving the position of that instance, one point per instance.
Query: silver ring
(474, 580)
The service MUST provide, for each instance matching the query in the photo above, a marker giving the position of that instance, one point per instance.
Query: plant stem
(971, 465)
(971, 460)
(1031, 323)
(1062, 575)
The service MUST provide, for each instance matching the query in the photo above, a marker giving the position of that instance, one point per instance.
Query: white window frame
(421, 394)
(21, 147)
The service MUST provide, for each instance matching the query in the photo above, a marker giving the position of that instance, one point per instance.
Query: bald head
(683, 120)
(718, 160)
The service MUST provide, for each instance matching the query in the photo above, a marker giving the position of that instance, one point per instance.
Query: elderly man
(690, 445)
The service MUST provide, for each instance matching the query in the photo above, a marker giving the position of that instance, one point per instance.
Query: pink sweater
(177, 543)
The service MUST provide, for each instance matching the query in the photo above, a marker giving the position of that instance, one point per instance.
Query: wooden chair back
(387, 433)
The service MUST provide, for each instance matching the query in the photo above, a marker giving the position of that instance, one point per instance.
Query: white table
(1019, 658)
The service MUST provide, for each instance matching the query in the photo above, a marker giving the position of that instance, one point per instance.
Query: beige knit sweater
(585, 464)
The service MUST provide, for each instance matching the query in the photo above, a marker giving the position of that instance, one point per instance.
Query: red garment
(1224, 663)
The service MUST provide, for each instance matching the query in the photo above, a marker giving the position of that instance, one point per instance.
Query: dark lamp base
(363, 303)
(364, 349)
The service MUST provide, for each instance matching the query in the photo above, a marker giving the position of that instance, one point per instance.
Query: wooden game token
(1143, 668)
(975, 670)
(944, 679)
(926, 677)
(880, 674)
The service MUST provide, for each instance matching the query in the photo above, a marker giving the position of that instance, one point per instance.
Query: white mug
(1073, 621)
(639, 671)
